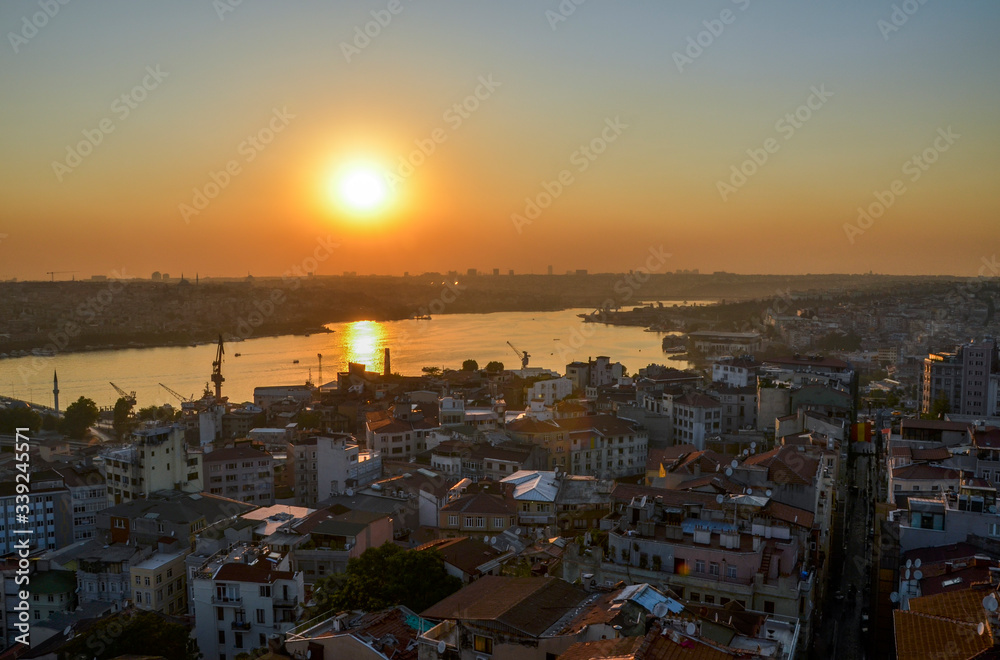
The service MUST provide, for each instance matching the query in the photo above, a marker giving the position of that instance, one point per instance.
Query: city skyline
(227, 138)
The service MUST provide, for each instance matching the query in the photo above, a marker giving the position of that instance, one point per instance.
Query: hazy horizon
(741, 136)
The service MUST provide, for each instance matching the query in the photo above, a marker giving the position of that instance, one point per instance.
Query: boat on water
(237, 354)
(675, 349)
(424, 317)
(295, 361)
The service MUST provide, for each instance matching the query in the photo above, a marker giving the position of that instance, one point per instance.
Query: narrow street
(840, 635)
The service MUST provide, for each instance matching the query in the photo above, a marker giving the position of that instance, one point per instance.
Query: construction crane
(53, 273)
(178, 395)
(523, 355)
(128, 396)
(217, 376)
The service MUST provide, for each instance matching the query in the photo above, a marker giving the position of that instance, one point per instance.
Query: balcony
(241, 625)
(227, 601)
(285, 602)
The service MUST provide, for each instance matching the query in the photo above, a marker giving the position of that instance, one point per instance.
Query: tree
(383, 577)
(132, 633)
(20, 417)
(310, 419)
(939, 407)
(470, 365)
(123, 420)
(79, 416)
(494, 367)
(432, 371)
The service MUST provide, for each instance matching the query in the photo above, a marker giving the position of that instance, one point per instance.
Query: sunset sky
(117, 116)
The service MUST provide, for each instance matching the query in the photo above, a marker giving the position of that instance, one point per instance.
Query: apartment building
(241, 473)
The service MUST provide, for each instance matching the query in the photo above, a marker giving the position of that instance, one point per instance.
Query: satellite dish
(909, 563)
(69, 629)
(907, 574)
(916, 564)
(691, 628)
(729, 472)
(980, 628)
(990, 603)
(753, 445)
(660, 610)
(309, 653)
(918, 575)
(749, 491)
(894, 596)
(719, 498)
(441, 647)
(768, 492)
(735, 463)
(350, 492)
(518, 531)
(753, 451)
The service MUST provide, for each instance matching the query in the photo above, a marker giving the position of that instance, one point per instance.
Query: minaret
(55, 390)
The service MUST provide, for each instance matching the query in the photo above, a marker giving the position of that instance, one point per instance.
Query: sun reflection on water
(363, 342)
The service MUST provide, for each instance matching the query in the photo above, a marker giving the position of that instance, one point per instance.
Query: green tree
(12, 419)
(123, 419)
(939, 407)
(79, 416)
(494, 367)
(310, 419)
(383, 577)
(132, 633)
(470, 365)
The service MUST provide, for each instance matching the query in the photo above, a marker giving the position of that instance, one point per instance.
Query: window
(769, 606)
(497, 522)
(699, 566)
(710, 599)
(260, 616)
(713, 568)
(482, 644)
(695, 596)
(222, 637)
(731, 572)
(265, 591)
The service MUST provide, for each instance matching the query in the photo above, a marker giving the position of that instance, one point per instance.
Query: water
(551, 338)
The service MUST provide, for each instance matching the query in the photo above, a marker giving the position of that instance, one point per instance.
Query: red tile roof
(529, 605)
(487, 503)
(920, 636)
(261, 572)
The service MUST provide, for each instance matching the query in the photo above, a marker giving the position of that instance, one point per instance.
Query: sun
(360, 188)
